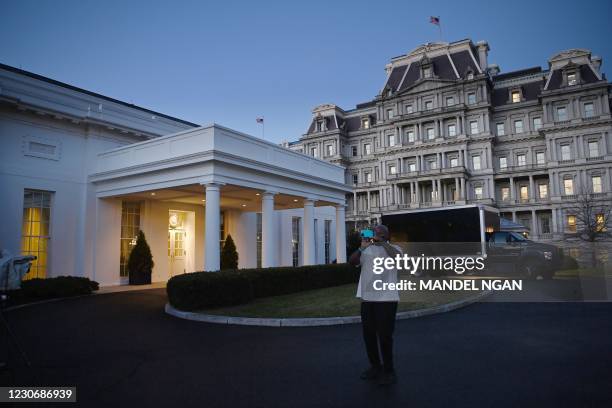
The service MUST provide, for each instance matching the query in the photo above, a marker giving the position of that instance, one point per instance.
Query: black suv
(509, 250)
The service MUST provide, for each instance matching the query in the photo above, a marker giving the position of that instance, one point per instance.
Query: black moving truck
(472, 230)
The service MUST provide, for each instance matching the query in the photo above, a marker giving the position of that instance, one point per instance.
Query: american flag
(434, 20)
(259, 120)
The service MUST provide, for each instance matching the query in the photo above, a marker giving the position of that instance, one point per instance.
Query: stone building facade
(450, 129)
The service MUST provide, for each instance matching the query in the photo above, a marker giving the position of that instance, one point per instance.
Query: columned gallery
(84, 173)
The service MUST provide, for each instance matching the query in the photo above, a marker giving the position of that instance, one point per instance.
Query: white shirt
(365, 288)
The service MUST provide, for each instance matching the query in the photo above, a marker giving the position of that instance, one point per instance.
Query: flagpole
(263, 128)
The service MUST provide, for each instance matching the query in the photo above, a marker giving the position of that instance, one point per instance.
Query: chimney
(493, 69)
(596, 61)
(483, 48)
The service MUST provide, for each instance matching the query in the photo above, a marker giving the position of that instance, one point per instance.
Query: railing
(525, 167)
(567, 161)
(428, 172)
(594, 158)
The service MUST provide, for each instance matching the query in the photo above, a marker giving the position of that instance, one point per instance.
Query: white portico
(300, 199)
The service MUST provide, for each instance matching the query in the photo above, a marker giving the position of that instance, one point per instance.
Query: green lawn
(328, 302)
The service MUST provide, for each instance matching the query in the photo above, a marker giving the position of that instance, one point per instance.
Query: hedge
(61, 286)
(201, 290)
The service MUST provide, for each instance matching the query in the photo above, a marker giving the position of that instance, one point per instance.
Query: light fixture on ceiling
(153, 193)
(295, 200)
(257, 194)
(204, 200)
(244, 205)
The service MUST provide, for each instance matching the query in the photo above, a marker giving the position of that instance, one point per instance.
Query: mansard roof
(530, 90)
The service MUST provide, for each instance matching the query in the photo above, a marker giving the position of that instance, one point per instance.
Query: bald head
(381, 232)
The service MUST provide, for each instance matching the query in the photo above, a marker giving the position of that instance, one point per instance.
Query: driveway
(122, 350)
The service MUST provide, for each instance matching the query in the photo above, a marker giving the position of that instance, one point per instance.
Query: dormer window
(572, 79)
(426, 72)
(470, 74)
(365, 123)
(319, 126)
(515, 96)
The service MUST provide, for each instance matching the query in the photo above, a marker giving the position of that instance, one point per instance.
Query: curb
(317, 321)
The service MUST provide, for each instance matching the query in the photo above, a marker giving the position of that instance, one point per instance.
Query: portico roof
(219, 155)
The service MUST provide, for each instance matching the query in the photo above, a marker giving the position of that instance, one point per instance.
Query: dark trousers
(378, 321)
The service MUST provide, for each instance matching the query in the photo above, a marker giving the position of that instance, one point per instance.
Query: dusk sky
(229, 62)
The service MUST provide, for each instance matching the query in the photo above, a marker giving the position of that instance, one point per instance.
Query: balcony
(523, 168)
(428, 172)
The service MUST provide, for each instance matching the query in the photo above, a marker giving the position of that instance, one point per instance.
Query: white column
(554, 220)
(534, 225)
(268, 241)
(309, 235)
(340, 235)
(212, 250)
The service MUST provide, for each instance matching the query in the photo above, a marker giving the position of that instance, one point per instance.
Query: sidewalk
(127, 288)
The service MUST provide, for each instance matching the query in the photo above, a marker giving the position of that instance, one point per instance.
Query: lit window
(571, 79)
(596, 182)
(367, 149)
(521, 160)
(568, 186)
(473, 127)
(505, 193)
(600, 222)
(454, 162)
(589, 110)
(412, 166)
(524, 193)
(500, 129)
(295, 240)
(392, 169)
(561, 113)
(410, 136)
(593, 149)
(365, 123)
(368, 177)
(452, 130)
(543, 191)
(503, 162)
(35, 233)
(537, 123)
(354, 151)
(430, 133)
(516, 96)
(518, 126)
(476, 164)
(450, 101)
(571, 223)
(566, 152)
(540, 158)
(389, 113)
(471, 97)
(428, 105)
(478, 192)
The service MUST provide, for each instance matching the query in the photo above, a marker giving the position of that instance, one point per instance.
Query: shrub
(201, 290)
(229, 255)
(140, 263)
(61, 286)
(569, 262)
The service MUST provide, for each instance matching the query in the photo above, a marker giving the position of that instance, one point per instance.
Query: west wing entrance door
(177, 243)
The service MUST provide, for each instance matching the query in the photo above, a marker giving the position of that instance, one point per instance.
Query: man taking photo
(378, 307)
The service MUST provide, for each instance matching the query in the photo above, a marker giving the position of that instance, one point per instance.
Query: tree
(353, 242)
(140, 263)
(229, 255)
(592, 212)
